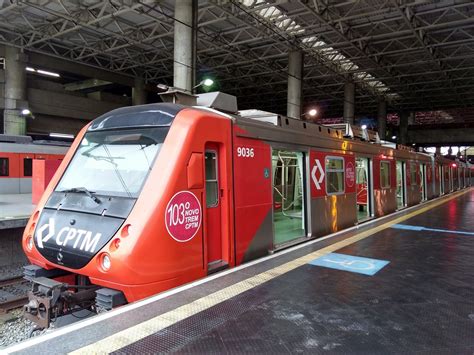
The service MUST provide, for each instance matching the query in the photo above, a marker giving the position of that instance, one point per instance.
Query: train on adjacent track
(16, 161)
(154, 196)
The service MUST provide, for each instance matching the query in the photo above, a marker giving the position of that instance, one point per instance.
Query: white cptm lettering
(79, 238)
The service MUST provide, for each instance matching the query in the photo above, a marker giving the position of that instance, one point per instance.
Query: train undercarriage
(53, 295)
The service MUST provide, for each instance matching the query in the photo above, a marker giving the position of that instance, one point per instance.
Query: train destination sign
(183, 216)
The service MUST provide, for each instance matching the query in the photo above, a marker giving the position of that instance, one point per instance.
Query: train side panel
(253, 197)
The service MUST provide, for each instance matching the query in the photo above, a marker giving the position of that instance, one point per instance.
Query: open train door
(364, 188)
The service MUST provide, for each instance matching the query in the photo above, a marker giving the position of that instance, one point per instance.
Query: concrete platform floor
(15, 210)
(421, 300)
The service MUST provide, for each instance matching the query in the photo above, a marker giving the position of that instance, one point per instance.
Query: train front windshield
(113, 163)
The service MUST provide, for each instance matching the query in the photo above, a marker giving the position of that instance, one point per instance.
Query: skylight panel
(290, 26)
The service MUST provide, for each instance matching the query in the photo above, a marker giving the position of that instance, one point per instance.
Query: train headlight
(29, 243)
(106, 263)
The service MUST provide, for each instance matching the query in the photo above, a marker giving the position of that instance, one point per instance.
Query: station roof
(418, 55)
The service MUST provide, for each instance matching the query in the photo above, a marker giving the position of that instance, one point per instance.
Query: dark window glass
(384, 174)
(114, 162)
(4, 167)
(413, 173)
(212, 186)
(334, 175)
(28, 166)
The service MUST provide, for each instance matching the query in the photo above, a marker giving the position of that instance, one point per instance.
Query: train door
(401, 184)
(288, 201)
(363, 189)
(447, 183)
(213, 208)
(423, 181)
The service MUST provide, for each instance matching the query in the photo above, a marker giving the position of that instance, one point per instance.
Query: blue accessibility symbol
(350, 263)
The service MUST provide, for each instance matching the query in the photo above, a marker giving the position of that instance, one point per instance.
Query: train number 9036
(245, 152)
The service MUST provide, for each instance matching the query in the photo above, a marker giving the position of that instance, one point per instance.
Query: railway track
(13, 293)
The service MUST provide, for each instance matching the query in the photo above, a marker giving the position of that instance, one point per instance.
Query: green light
(208, 82)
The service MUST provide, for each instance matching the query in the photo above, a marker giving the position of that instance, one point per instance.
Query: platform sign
(350, 263)
(183, 216)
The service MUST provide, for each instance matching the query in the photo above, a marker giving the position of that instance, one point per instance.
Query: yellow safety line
(133, 334)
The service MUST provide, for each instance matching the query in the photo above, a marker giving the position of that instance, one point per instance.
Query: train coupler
(50, 299)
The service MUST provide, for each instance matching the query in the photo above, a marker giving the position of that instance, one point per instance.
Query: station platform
(400, 284)
(15, 210)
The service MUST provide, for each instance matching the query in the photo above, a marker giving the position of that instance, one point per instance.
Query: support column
(438, 150)
(184, 45)
(411, 118)
(138, 92)
(295, 75)
(15, 92)
(403, 128)
(349, 102)
(382, 119)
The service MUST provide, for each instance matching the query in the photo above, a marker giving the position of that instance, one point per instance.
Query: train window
(413, 171)
(114, 162)
(212, 185)
(334, 175)
(28, 167)
(4, 166)
(385, 174)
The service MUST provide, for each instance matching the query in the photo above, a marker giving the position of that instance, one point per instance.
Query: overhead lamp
(394, 137)
(48, 73)
(162, 87)
(26, 112)
(364, 126)
(205, 82)
(208, 82)
(312, 113)
(43, 72)
(61, 135)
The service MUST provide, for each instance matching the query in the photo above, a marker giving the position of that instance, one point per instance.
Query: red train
(150, 197)
(16, 161)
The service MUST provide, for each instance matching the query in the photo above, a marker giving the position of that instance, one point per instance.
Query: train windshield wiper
(84, 191)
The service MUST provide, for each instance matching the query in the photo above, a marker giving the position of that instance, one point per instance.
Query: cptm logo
(76, 238)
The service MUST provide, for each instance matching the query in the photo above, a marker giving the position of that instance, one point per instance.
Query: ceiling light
(61, 135)
(313, 112)
(162, 87)
(207, 82)
(45, 72)
(394, 137)
(30, 69)
(364, 126)
(25, 112)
